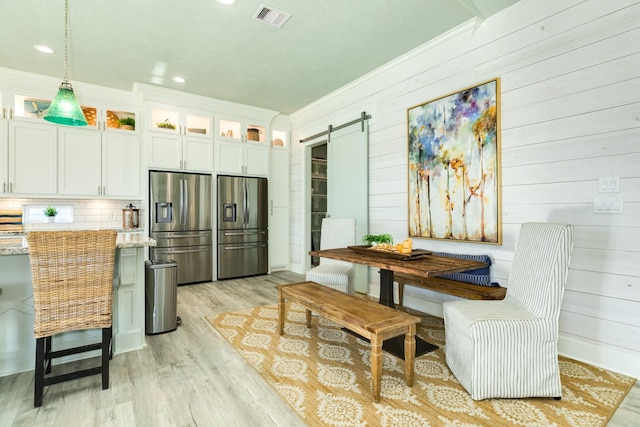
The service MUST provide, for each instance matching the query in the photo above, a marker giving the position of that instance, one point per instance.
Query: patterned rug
(324, 374)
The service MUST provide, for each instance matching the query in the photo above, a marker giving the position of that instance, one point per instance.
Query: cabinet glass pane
(278, 138)
(230, 129)
(90, 114)
(198, 125)
(30, 107)
(125, 120)
(164, 119)
(256, 133)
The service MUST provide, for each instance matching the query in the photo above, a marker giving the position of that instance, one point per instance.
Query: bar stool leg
(106, 353)
(39, 374)
(47, 355)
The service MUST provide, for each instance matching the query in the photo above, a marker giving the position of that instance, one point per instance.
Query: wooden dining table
(426, 265)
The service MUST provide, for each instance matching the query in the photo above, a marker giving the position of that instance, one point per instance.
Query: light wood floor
(190, 377)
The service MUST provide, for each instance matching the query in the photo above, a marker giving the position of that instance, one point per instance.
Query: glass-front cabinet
(180, 139)
(241, 147)
(179, 121)
(242, 130)
(27, 146)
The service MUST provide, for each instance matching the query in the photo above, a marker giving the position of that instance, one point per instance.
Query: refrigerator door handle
(181, 236)
(257, 245)
(180, 251)
(246, 201)
(185, 204)
(243, 233)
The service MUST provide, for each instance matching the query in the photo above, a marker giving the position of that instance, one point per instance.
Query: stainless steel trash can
(161, 289)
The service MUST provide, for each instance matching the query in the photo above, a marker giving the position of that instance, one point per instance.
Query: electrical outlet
(110, 215)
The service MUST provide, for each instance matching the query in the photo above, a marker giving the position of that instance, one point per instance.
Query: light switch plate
(609, 185)
(614, 205)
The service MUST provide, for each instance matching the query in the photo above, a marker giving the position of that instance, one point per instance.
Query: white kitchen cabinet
(27, 147)
(279, 209)
(32, 155)
(180, 139)
(242, 158)
(92, 163)
(128, 300)
(240, 129)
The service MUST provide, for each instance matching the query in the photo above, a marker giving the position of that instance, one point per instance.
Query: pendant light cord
(66, 39)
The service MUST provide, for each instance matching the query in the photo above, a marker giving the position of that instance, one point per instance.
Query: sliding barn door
(348, 184)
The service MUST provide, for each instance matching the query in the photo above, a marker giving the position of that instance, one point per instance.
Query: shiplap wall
(570, 105)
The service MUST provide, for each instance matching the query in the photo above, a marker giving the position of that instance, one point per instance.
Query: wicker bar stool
(72, 273)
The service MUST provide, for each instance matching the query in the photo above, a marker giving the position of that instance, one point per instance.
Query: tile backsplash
(87, 214)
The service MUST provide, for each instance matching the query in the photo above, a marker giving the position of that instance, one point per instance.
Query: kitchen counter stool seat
(72, 274)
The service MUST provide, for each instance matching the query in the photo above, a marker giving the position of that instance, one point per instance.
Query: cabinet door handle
(11, 113)
(4, 113)
(98, 190)
(4, 187)
(11, 187)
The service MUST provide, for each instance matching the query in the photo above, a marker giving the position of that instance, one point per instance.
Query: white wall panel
(570, 78)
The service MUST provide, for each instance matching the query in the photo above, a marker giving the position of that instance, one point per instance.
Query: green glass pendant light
(64, 109)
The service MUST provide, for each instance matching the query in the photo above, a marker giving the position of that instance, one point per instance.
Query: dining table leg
(395, 345)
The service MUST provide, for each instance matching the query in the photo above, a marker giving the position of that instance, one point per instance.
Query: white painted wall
(570, 73)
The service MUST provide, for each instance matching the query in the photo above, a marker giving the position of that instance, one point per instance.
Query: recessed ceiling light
(227, 2)
(179, 79)
(44, 49)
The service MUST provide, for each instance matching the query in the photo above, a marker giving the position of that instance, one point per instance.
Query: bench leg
(376, 366)
(409, 353)
(308, 315)
(281, 308)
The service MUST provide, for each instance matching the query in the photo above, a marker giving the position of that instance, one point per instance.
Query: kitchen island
(17, 344)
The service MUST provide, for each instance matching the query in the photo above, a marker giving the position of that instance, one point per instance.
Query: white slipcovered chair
(508, 348)
(335, 233)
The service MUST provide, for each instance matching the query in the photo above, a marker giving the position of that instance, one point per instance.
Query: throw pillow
(480, 276)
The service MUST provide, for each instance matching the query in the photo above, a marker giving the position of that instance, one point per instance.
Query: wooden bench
(446, 286)
(371, 320)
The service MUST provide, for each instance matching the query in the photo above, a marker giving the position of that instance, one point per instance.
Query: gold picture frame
(454, 182)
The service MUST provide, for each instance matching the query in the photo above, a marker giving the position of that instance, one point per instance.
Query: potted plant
(127, 123)
(166, 125)
(50, 212)
(375, 239)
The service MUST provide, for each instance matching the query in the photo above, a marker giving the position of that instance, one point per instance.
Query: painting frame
(454, 166)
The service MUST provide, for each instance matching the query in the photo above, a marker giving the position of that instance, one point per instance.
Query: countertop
(14, 243)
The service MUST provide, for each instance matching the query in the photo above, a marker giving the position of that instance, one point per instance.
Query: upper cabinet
(109, 119)
(179, 139)
(105, 164)
(27, 147)
(241, 147)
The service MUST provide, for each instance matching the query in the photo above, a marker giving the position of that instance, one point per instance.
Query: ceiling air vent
(271, 16)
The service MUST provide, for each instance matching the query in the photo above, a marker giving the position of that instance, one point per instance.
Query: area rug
(324, 374)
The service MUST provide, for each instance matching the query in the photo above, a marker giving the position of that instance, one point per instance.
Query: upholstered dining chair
(72, 275)
(508, 348)
(335, 233)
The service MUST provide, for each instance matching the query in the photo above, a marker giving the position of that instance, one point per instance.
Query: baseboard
(613, 359)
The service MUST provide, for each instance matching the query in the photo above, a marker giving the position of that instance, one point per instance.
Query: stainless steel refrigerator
(242, 226)
(180, 222)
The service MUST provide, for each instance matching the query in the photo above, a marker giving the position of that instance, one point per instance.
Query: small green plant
(128, 121)
(371, 239)
(166, 125)
(50, 211)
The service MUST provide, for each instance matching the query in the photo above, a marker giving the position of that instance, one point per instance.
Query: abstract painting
(454, 166)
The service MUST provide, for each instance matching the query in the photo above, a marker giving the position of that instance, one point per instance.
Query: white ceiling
(221, 51)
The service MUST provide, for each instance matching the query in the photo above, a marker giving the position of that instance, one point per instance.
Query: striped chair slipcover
(508, 348)
(335, 233)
